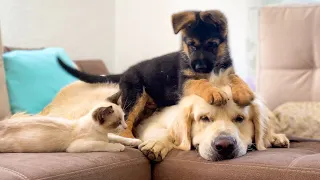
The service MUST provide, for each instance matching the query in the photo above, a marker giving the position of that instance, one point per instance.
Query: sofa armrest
(94, 66)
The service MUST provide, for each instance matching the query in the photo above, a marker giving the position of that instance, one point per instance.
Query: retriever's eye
(239, 118)
(204, 118)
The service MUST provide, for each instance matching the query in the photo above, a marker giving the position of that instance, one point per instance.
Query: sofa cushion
(130, 165)
(4, 99)
(34, 78)
(289, 58)
(301, 161)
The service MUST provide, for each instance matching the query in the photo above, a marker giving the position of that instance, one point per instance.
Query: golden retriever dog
(26, 133)
(217, 132)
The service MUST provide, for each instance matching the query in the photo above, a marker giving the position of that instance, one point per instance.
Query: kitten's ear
(101, 113)
(108, 110)
(114, 98)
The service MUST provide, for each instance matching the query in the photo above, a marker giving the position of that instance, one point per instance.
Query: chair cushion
(130, 165)
(301, 161)
(289, 58)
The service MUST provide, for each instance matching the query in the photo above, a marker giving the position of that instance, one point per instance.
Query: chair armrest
(94, 66)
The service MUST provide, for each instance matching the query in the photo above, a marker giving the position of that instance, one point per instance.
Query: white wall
(121, 32)
(85, 28)
(143, 28)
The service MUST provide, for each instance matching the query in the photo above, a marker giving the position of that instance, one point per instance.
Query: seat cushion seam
(296, 160)
(113, 165)
(254, 165)
(15, 173)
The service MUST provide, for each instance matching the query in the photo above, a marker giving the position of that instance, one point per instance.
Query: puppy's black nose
(225, 146)
(201, 67)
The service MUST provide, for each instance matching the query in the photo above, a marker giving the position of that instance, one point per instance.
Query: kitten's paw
(116, 147)
(135, 142)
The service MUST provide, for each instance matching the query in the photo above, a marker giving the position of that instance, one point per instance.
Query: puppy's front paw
(242, 96)
(280, 140)
(214, 96)
(154, 150)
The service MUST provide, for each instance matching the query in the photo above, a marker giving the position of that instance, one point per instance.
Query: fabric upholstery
(94, 66)
(301, 161)
(127, 165)
(4, 99)
(289, 54)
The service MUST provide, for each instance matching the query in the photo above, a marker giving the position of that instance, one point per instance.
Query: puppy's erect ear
(259, 119)
(114, 98)
(100, 113)
(181, 129)
(216, 18)
(182, 20)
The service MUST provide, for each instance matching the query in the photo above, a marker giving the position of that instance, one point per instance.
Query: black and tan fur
(167, 78)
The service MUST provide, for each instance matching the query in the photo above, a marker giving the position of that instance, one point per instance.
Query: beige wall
(85, 28)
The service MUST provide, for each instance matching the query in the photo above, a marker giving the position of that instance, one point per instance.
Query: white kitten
(50, 134)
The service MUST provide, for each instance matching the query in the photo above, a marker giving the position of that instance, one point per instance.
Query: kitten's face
(110, 116)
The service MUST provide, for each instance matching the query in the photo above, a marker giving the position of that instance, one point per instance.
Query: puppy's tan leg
(156, 150)
(83, 145)
(134, 114)
(206, 90)
(241, 93)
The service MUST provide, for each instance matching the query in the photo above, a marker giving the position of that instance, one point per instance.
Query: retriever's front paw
(154, 150)
(280, 140)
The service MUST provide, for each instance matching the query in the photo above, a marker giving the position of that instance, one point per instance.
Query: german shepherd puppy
(165, 79)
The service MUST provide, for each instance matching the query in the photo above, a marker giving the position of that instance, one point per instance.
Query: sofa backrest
(289, 57)
(4, 100)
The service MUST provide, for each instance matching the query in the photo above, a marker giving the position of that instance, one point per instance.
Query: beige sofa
(281, 70)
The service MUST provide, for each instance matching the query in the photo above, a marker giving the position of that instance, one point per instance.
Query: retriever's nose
(225, 146)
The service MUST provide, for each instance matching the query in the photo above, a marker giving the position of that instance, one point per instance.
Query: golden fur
(77, 99)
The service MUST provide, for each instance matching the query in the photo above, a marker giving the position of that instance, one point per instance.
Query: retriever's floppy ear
(182, 20)
(216, 18)
(181, 129)
(114, 98)
(259, 119)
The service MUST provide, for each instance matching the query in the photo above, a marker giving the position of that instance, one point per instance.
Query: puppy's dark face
(204, 38)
